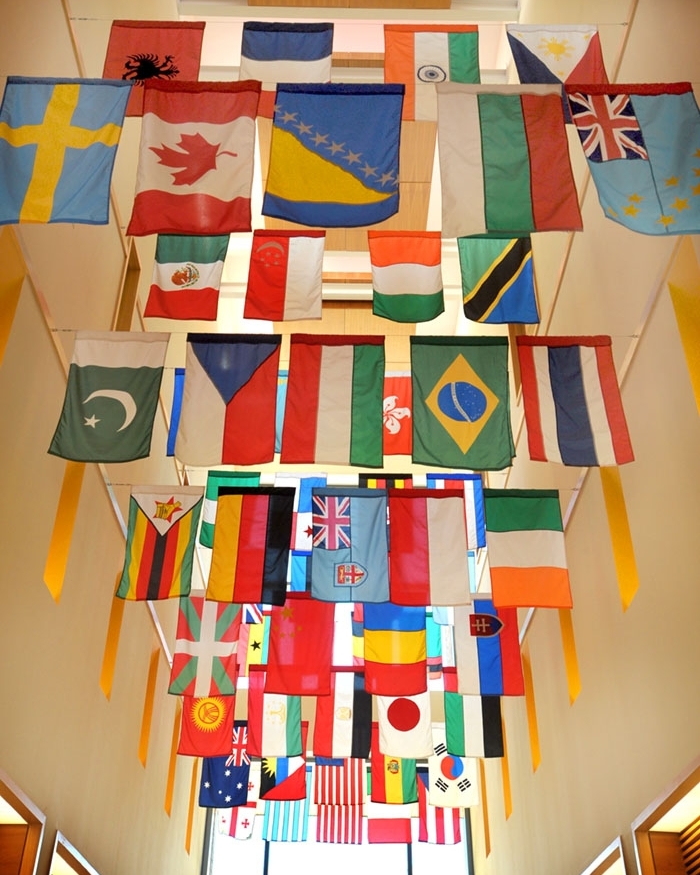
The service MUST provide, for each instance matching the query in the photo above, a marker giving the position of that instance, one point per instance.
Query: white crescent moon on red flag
(124, 398)
(270, 243)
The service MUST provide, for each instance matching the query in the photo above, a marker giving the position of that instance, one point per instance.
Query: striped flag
(204, 657)
(406, 275)
(343, 722)
(525, 542)
(285, 275)
(339, 781)
(186, 277)
(251, 545)
(573, 407)
(428, 555)
(395, 650)
(498, 283)
(487, 650)
(288, 821)
(393, 779)
(473, 725)
(160, 542)
(471, 486)
(215, 479)
(334, 400)
(285, 52)
(274, 721)
(418, 56)
(340, 824)
(439, 826)
(504, 160)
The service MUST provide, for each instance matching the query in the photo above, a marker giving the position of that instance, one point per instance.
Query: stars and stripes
(607, 126)
(331, 521)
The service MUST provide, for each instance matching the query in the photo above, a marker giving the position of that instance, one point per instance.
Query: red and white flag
(438, 826)
(341, 824)
(195, 169)
(285, 275)
(339, 781)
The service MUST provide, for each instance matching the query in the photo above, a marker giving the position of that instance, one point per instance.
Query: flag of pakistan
(111, 397)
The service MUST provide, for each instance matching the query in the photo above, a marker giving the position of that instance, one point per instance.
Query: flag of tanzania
(58, 139)
(334, 155)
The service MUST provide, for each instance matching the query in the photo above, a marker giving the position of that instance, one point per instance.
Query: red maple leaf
(197, 158)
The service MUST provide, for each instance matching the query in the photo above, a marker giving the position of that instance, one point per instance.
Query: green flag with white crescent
(111, 397)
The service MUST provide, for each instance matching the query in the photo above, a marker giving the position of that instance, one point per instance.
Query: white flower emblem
(393, 415)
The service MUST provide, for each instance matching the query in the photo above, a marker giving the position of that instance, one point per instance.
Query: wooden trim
(34, 817)
(606, 858)
(68, 853)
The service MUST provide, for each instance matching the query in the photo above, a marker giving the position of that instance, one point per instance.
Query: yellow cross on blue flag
(58, 139)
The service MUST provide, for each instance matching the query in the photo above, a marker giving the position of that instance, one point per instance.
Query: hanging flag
(111, 396)
(251, 545)
(428, 557)
(439, 826)
(344, 719)
(349, 560)
(395, 650)
(230, 381)
(285, 777)
(206, 726)
(186, 277)
(471, 487)
(525, 541)
(142, 50)
(404, 726)
(334, 155)
(223, 784)
(389, 830)
(358, 635)
(397, 414)
(640, 142)
(473, 725)
(175, 409)
(58, 139)
(384, 480)
(504, 161)
(195, 169)
(216, 479)
(339, 824)
(160, 542)
(334, 400)
(253, 641)
(498, 284)
(420, 55)
(238, 822)
(301, 644)
(285, 52)
(393, 779)
(285, 275)
(453, 781)
(274, 721)
(288, 821)
(573, 407)
(461, 406)
(204, 658)
(339, 781)
(487, 650)
(302, 527)
(556, 54)
(406, 275)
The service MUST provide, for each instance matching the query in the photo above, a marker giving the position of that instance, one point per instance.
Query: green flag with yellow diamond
(461, 408)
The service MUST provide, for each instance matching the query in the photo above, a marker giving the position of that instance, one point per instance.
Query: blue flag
(58, 139)
(223, 785)
(349, 558)
(334, 155)
(642, 144)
